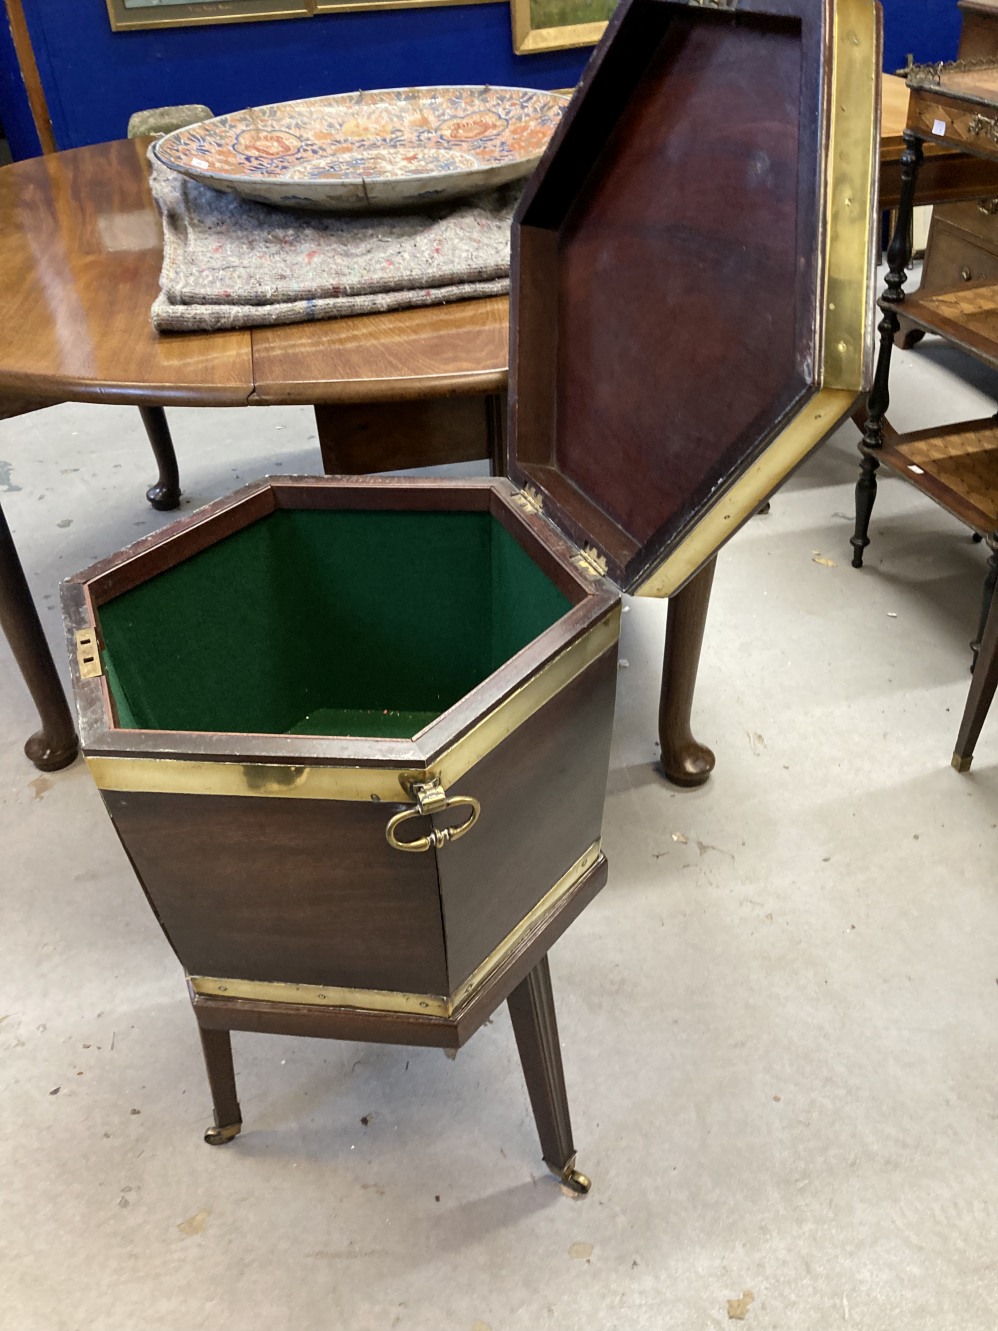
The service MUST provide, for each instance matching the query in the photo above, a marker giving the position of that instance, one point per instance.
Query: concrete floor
(780, 1019)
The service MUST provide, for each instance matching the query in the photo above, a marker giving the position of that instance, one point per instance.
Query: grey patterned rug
(231, 263)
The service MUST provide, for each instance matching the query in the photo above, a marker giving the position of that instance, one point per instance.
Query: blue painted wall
(927, 29)
(95, 78)
(15, 113)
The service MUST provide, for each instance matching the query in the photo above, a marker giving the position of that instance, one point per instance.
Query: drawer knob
(988, 207)
(966, 274)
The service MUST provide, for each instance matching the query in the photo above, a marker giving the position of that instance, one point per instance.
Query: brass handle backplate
(431, 797)
(986, 125)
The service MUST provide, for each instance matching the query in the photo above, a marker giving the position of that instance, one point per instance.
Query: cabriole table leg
(165, 494)
(685, 761)
(55, 745)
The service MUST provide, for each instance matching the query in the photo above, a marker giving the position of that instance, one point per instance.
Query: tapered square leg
(217, 1048)
(531, 1007)
(987, 597)
(982, 692)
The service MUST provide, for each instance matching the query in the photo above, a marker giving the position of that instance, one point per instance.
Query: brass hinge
(530, 500)
(87, 655)
(590, 561)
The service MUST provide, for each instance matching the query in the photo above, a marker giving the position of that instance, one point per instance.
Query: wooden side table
(80, 253)
(947, 172)
(963, 237)
(955, 106)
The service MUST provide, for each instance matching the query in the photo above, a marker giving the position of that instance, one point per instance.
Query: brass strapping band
(192, 777)
(853, 161)
(845, 297)
(821, 415)
(382, 1000)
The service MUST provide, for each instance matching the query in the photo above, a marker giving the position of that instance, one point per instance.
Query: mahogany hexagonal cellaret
(354, 734)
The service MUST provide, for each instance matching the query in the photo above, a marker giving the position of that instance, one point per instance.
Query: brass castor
(573, 1180)
(216, 1136)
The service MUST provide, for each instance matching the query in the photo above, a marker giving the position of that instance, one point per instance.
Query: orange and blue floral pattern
(392, 148)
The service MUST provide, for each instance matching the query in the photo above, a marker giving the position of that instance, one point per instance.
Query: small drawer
(978, 218)
(953, 260)
(954, 121)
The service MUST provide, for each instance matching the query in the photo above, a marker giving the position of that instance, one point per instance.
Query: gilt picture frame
(129, 15)
(555, 25)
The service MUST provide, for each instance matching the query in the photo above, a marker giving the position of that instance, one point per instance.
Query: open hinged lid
(692, 275)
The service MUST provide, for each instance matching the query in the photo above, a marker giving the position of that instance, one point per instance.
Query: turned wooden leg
(866, 495)
(982, 692)
(898, 258)
(165, 494)
(987, 597)
(531, 1007)
(684, 761)
(55, 745)
(217, 1049)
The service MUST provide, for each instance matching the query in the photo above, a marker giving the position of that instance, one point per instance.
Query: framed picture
(129, 14)
(552, 25)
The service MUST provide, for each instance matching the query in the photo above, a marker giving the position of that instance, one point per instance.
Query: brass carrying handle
(438, 837)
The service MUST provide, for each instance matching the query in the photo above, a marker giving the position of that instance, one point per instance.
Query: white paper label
(199, 161)
(939, 128)
(917, 470)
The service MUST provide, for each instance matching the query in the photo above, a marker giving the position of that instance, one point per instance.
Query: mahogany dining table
(80, 255)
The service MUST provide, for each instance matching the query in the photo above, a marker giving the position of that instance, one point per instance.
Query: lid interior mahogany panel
(666, 272)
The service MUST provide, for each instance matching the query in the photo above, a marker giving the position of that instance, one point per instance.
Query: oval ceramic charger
(354, 152)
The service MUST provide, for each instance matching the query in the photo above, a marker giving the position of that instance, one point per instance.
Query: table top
(80, 254)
